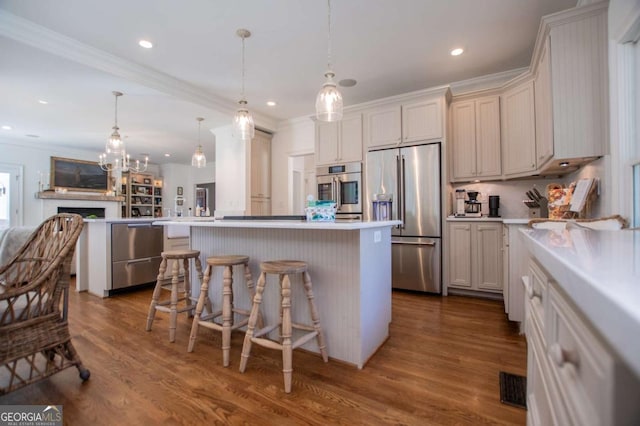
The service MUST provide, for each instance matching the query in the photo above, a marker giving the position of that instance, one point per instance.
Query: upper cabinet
(422, 121)
(475, 125)
(572, 96)
(339, 142)
(518, 131)
(396, 124)
(383, 126)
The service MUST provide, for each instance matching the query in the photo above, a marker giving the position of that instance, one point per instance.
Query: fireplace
(98, 212)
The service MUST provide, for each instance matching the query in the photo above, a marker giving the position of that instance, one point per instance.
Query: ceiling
(74, 53)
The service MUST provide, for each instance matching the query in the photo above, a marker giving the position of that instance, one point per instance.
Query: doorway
(302, 181)
(10, 195)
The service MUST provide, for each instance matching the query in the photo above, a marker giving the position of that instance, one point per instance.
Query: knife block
(539, 212)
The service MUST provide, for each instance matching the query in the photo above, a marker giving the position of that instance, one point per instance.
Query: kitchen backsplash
(513, 192)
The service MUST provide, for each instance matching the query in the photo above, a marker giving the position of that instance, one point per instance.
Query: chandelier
(115, 157)
(329, 99)
(243, 127)
(198, 159)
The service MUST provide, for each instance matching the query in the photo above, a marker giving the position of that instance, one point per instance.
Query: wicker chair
(34, 333)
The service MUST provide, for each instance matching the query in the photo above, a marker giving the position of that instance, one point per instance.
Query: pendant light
(115, 157)
(199, 160)
(329, 99)
(243, 127)
(115, 145)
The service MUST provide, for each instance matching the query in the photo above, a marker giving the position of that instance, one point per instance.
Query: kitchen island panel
(351, 275)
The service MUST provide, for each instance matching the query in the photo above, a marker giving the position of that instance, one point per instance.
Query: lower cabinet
(475, 256)
(573, 377)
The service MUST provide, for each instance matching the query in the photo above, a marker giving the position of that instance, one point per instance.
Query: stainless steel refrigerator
(412, 176)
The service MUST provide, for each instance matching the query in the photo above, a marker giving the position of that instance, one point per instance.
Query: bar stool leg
(207, 302)
(248, 278)
(287, 351)
(227, 312)
(202, 301)
(187, 287)
(173, 315)
(253, 318)
(315, 318)
(156, 294)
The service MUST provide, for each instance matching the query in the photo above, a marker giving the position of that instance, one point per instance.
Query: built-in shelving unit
(143, 195)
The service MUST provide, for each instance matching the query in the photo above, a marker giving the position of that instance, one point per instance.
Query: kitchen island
(349, 264)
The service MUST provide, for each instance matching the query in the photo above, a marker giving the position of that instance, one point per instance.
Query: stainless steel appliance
(412, 176)
(135, 253)
(342, 183)
(458, 205)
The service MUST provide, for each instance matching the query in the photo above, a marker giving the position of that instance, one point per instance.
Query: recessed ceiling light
(271, 103)
(457, 52)
(347, 82)
(6, 127)
(32, 136)
(167, 155)
(146, 44)
(42, 101)
(564, 164)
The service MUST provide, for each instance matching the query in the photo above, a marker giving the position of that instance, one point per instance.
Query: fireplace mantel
(52, 195)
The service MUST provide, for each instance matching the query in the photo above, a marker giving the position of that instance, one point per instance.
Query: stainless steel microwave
(341, 183)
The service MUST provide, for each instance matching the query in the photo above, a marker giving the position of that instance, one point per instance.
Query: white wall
(186, 176)
(293, 137)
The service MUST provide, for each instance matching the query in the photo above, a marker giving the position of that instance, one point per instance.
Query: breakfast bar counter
(349, 264)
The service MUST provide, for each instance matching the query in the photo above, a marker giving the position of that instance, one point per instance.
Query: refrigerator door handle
(402, 202)
(400, 190)
(413, 243)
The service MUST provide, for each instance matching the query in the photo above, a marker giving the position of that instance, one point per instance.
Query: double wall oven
(342, 183)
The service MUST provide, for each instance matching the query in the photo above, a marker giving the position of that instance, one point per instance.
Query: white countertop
(487, 219)
(600, 272)
(124, 220)
(282, 224)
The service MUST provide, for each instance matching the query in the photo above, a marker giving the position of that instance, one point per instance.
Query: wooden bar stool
(283, 268)
(172, 308)
(228, 262)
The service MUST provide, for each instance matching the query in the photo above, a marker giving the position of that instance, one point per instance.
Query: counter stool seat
(171, 305)
(283, 268)
(228, 309)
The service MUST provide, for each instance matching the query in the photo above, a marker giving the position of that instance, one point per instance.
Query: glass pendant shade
(198, 159)
(114, 145)
(329, 101)
(243, 127)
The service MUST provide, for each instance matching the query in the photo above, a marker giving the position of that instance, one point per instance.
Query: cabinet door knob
(563, 356)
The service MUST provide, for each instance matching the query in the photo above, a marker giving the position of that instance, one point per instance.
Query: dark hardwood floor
(440, 365)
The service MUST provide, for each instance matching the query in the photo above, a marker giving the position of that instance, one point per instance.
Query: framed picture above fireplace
(78, 175)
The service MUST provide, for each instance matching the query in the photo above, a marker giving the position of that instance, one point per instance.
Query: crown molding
(27, 32)
(485, 82)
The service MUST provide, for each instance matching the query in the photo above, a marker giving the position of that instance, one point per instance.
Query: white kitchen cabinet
(572, 97)
(475, 256)
(476, 139)
(339, 142)
(422, 120)
(383, 126)
(261, 165)
(260, 173)
(515, 262)
(518, 130)
(544, 108)
(573, 376)
(404, 123)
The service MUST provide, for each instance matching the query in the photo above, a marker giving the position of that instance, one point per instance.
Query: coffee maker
(473, 207)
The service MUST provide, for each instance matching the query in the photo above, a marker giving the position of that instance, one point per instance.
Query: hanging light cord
(199, 124)
(116, 124)
(242, 95)
(329, 35)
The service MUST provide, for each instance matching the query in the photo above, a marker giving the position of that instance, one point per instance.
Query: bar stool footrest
(267, 343)
(303, 327)
(265, 330)
(304, 339)
(178, 310)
